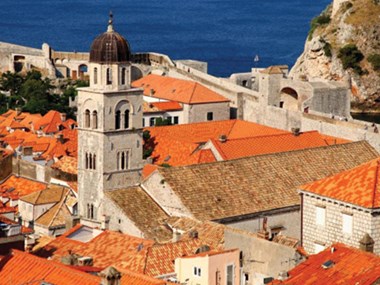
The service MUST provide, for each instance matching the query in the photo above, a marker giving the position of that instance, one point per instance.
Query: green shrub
(350, 57)
(374, 59)
(326, 47)
(317, 22)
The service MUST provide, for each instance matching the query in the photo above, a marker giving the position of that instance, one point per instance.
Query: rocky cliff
(344, 45)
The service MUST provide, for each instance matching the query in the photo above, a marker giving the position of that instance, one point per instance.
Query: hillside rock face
(355, 22)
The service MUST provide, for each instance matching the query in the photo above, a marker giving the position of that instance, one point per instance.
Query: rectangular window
(151, 122)
(169, 118)
(175, 122)
(230, 274)
(210, 116)
(197, 271)
(320, 215)
(347, 223)
(143, 122)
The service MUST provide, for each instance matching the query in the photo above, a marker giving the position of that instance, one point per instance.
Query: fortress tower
(110, 126)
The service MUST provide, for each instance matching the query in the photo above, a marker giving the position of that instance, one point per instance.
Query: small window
(347, 222)
(95, 75)
(109, 76)
(143, 122)
(119, 221)
(117, 120)
(210, 116)
(123, 72)
(169, 119)
(230, 274)
(94, 120)
(197, 271)
(320, 216)
(151, 122)
(175, 120)
(126, 119)
(87, 119)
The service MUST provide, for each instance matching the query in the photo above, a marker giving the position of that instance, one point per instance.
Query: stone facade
(318, 236)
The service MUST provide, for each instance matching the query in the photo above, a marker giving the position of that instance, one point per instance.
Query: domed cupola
(110, 47)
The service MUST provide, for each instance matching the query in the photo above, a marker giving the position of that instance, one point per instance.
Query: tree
(11, 82)
(350, 57)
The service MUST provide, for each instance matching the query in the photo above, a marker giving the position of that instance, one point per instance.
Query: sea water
(228, 34)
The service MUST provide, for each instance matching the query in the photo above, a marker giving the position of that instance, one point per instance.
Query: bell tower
(110, 126)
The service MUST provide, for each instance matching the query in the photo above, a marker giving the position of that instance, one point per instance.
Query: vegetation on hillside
(35, 94)
(351, 57)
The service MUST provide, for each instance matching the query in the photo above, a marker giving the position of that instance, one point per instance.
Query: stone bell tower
(110, 126)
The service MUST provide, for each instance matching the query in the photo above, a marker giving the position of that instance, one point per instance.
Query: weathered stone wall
(289, 222)
(5, 167)
(363, 222)
(198, 112)
(31, 170)
(261, 258)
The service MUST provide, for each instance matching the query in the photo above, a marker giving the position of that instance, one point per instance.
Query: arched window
(109, 76)
(95, 120)
(123, 72)
(86, 160)
(90, 161)
(126, 119)
(95, 75)
(117, 120)
(87, 119)
(94, 161)
(123, 160)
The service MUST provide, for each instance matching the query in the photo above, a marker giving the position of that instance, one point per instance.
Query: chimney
(60, 138)
(296, 131)
(264, 233)
(176, 236)
(366, 243)
(63, 117)
(104, 222)
(222, 138)
(27, 150)
(18, 111)
(152, 92)
(110, 276)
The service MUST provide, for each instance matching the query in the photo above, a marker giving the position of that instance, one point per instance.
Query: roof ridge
(60, 203)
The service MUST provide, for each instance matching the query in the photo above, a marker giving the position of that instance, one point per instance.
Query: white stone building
(343, 208)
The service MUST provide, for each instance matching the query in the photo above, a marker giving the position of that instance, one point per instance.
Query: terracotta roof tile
(249, 146)
(179, 145)
(160, 258)
(349, 266)
(177, 90)
(148, 170)
(23, 268)
(249, 185)
(129, 277)
(359, 186)
(52, 194)
(67, 164)
(108, 248)
(19, 187)
(142, 211)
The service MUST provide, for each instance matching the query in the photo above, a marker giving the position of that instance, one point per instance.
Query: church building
(110, 116)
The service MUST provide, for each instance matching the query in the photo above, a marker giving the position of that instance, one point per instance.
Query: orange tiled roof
(22, 268)
(242, 147)
(350, 266)
(129, 277)
(108, 248)
(179, 145)
(148, 170)
(160, 258)
(19, 187)
(67, 164)
(52, 194)
(144, 212)
(167, 106)
(177, 90)
(359, 186)
(258, 183)
(51, 122)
